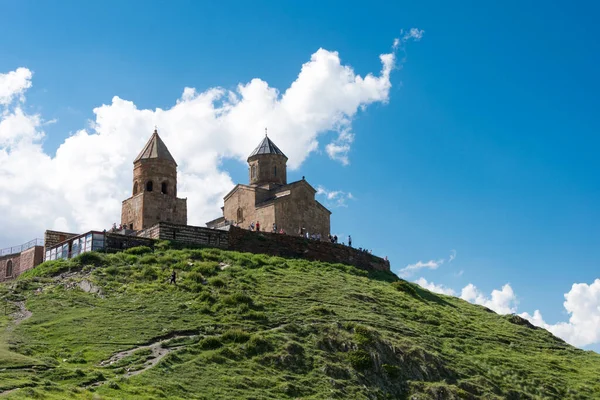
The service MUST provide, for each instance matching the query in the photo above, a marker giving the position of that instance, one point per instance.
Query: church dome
(266, 147)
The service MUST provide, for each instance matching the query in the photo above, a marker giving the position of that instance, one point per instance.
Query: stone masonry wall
(275, 244)
(21, 262)
(187, 234)
(269, 169)
(297, 247)
(52, 238)
(300, 210)
(131, 211)
(16, 261)
(31, 258)
(115, 241)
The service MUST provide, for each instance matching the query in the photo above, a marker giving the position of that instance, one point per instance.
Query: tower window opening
(163, 188)
(253, 172)
(9, 268)
(149, 186)
(275, 170)
(135, 188)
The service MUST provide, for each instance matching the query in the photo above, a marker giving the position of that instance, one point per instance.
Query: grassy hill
(257, 327)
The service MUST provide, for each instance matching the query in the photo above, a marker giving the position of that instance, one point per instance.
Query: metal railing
(17, 249)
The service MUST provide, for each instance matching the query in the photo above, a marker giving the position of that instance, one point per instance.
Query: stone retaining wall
(297, 247)
(187, 234)
(275, 244)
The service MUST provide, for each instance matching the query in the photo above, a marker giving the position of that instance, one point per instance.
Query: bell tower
(154, 192)
(267, 164)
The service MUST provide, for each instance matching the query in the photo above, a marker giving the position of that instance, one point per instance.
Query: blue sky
(485, 145)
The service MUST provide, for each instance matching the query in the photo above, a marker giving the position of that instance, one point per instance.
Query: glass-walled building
(91, 241)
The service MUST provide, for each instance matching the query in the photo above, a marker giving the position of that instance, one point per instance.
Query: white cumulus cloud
(334, 198)
(412, 268)
(14, 84)
(582, 303)
(413, 33)
(81, 187)
(434, 288)
(502, 301)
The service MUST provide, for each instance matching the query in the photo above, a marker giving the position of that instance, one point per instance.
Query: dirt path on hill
(158, 352)
(21, 315)
(9, 391)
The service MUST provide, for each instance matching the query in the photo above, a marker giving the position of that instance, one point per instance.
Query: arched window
(149, 186)
(9, 268)
(240, 215)
(135, 188)
(253, 172)
(275, 170)
(163, 188)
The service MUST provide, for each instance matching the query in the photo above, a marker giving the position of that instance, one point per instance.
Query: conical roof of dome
(267, 147)
(155, 148)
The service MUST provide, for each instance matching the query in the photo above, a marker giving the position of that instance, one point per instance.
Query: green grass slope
(258, 327)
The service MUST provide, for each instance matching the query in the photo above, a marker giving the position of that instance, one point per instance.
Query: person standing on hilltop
(173, 278)
(257, 226)
(349, 241)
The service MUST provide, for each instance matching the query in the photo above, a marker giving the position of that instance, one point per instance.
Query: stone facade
(14, 265)
(52, 238)
(269, 199)
(267, 168)
(154, 192)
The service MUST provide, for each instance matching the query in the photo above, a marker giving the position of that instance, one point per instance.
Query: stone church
(269, 199)
(154, 196)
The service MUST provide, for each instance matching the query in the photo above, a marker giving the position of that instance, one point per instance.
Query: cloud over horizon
(582, 303)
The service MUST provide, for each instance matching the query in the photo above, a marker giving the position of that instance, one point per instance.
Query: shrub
(258, 260)
(112, 270)
(391, 370)
(89, 258)
(255, 316)
(195, 277)
(237, 298)
(210, 343)
(139, 250)
(235, 336)
(149, 273)
(359, 359)
(207, 268)
(217, 282)
(162, 245)
(363, 335)
(257, 345)
(148, 259)
(212, 254)
(406, 287)
(321, 310)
